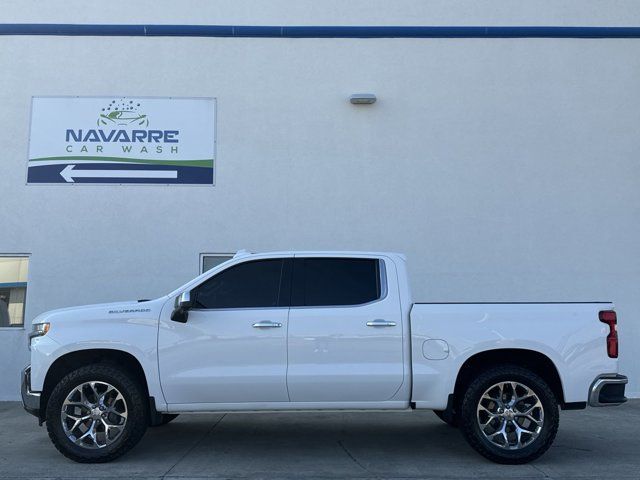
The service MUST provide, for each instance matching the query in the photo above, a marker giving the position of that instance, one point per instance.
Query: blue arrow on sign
(70, 172)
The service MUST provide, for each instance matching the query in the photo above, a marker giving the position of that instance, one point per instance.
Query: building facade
(507, 169)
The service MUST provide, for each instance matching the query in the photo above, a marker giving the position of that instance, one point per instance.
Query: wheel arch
(70, 361)
(537, 362)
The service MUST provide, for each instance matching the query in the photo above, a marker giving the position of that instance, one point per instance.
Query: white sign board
(138, 140)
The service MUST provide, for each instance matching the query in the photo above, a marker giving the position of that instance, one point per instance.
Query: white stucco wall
(598, 13)
(506, 169)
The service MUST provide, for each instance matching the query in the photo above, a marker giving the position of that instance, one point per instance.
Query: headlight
(38, 330)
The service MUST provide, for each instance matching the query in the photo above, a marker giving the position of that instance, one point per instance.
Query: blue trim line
(13, 285)
(66, 29)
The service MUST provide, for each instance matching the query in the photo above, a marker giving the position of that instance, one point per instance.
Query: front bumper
(608, 390)
(30, 400)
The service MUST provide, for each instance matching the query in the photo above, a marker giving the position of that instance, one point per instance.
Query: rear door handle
(267, 324)
(381, 323)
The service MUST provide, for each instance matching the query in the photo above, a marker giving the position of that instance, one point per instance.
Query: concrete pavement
(592, 443)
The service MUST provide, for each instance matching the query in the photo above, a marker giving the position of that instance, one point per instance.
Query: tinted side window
(249, 284)
(335, 281)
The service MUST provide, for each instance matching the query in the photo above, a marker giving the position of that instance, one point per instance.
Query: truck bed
(446, 335)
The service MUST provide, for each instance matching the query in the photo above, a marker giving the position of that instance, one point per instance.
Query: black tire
(447, 417)
(470, 423)
(136, 421)
(165, 418)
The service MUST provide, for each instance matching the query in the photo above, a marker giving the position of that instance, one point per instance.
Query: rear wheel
(96, 413)
(509, 415)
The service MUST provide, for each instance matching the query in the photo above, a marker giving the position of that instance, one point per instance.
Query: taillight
(609, 317)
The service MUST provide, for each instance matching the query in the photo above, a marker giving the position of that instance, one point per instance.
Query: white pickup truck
(293, 331)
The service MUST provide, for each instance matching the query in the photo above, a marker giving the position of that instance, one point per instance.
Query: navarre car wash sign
(116, 140)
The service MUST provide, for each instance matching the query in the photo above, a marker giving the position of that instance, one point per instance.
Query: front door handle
(267, 324)
(381, 323)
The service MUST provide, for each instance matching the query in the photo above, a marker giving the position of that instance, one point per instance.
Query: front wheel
(509, 415)
(96, 413)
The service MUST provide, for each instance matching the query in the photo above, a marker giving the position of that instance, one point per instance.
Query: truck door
(345, 330)
(233, 347)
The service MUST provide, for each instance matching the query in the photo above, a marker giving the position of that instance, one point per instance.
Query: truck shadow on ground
(387, 444)
(313, 444)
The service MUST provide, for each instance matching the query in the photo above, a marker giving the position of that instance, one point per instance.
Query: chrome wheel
(510, 415)
(94, 415)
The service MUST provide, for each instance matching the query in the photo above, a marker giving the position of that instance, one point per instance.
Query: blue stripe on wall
(315, 31)
(13, 285)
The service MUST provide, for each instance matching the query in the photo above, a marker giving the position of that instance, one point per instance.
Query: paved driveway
(593, 443)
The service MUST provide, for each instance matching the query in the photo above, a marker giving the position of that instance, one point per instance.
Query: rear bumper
(30, 400)
(608, 390)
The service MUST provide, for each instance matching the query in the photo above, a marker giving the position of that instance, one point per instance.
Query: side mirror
(181, 311)
(185, 300)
